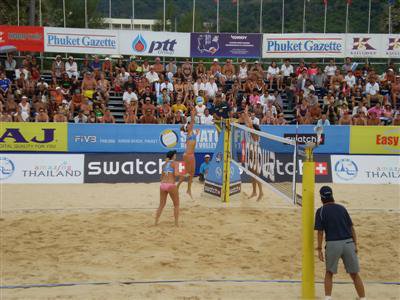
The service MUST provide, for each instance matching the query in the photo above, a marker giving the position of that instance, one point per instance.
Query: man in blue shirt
(5, 84)
(341, 241)
(204, 168)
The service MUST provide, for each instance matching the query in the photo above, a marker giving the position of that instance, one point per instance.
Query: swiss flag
(321, 168)
(180, 169)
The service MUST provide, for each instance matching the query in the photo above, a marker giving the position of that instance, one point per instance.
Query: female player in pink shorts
(168, 186)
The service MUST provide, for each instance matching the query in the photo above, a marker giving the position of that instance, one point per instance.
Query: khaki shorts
(344, 249)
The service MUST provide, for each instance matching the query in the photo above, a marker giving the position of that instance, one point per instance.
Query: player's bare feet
(260, 197)
(190, 194)
(252, 195)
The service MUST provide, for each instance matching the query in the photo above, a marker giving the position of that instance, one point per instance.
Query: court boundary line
(72, 209)
(133, 282)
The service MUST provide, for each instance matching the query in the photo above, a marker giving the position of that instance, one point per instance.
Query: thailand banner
(23, 38)
(302, 45)
(77, 40)
(154, 43)
(225, 45)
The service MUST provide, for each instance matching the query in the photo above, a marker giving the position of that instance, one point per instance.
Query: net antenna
(266, 158)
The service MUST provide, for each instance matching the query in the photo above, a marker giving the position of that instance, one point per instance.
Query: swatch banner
(84, 138)
(225, 45)
(154, 43)
(78, 40)
(23, 38)
(127, 167)
(363, 169)
(303, 45)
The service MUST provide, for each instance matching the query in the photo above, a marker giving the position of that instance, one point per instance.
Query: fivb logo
(362, 44)
(139, 45)
(394, 44)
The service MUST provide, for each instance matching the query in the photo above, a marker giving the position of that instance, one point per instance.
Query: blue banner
(85, 138)
(334, 140)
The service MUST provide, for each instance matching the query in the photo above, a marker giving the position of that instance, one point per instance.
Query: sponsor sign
(136, 138)
(305, 138)
(225, 45)
(37, 137)
(392, 46)
(152, 43)
(41, 168)
(24, 38)
(303, 45)
(362, 169)
(278, 167)
(375, 140)
(76, 40)
(335, 139)
(365, 45)
(214, 178)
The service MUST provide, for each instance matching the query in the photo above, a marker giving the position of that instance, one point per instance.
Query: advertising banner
(136, 138)
(335, 139)
(154, 43)
(392, 45)
(23, 38)
(303, 45)
(35, 137)
(225, 45)
(366, 45)
(41, 168)
(375, 140)
(126, 167)
(362, 169)
(77, 40)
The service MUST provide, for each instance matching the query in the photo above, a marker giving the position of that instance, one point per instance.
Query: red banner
(24, 38)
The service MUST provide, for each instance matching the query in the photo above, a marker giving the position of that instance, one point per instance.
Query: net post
(308, 184)
(227, 162)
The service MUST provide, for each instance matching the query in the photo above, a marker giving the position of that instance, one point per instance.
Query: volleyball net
(268, 158)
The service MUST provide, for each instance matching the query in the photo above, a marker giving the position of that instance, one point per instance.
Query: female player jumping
(255, 138)
(188, 156)
(168, 187)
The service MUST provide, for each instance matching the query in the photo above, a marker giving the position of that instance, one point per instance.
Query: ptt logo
(362, 44)
(394, 44)
(7, 168)
(16, 135)
(346, 169)
(139, 45)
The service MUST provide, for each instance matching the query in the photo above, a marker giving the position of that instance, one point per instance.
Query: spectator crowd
(165, 92)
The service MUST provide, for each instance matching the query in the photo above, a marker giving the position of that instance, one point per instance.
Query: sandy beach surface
(100, 240)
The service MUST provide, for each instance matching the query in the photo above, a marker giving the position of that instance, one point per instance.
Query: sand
(104, 233)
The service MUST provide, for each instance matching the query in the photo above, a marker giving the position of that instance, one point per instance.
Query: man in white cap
(204, 168)
(71, 68)
(243, 71)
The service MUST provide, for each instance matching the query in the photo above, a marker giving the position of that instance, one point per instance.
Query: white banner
(363, 169)
(303, 45)
(392, 45)
(78, 40)
(154, 43)
(365, 45)
(41, 168)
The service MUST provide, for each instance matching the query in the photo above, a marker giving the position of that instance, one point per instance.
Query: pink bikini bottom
(166, 187)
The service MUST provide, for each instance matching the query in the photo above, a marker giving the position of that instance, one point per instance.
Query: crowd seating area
(136, 90)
